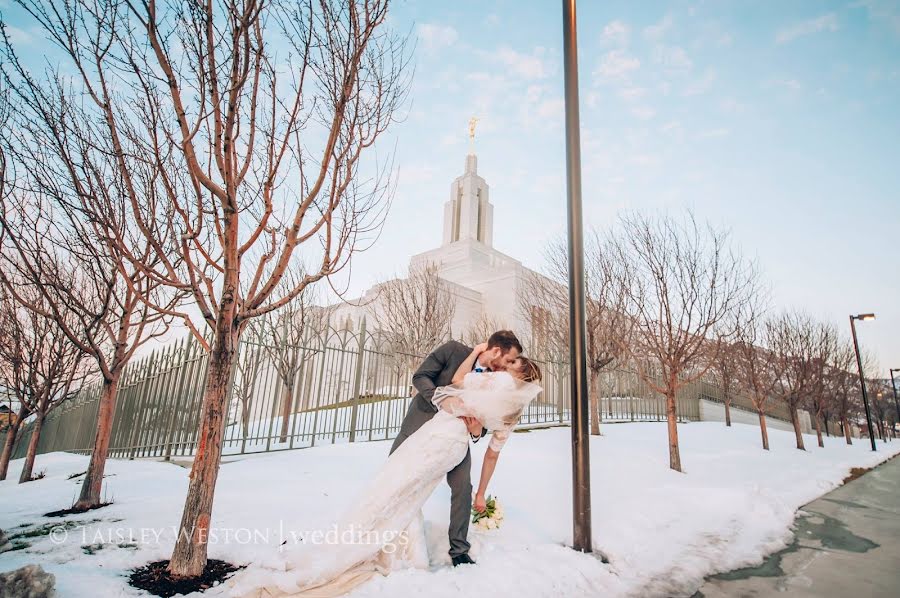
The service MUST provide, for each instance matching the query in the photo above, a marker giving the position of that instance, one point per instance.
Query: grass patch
(855, 473)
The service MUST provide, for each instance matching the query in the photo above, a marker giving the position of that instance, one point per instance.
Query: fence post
(560, 370)
(357, 379)
(176, 403)
(146, 375)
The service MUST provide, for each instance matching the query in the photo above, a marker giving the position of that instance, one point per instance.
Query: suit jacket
(438, 370)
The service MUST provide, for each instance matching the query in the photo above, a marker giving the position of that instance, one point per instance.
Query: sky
(777, 121)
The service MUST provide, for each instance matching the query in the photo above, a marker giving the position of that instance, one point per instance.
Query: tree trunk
(245, 417)
(672, 419)
(12, 434)
(190, 553)
(595, 404)
(795, 420)
(287, 400)
(846, 426)
(763, 430)
(32, 448)
(93, 479)
(728, 412)
(819, 432)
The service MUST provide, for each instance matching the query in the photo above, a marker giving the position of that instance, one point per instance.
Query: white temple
(485, 282)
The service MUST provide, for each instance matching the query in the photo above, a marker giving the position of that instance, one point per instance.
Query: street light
(862, 380)
(894, 388)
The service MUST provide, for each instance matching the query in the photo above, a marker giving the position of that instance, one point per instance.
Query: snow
(660, 530)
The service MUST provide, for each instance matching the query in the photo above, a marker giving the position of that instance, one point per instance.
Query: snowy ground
(661, 531)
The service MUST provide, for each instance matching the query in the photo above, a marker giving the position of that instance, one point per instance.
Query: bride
(383, 529)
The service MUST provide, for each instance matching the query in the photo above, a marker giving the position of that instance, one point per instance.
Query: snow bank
(661, 531)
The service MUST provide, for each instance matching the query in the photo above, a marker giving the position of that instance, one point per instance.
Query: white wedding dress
(383, 529)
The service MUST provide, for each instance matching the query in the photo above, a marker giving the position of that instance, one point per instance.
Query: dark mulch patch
(38, 476)
(856, 472)
(74, 511)
(155, 579)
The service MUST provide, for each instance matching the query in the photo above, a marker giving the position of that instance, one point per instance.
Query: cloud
(630, 94)
(788, 84)
(827, 22)
(671, 127)
(435, 37)
(643, 112)
(18, 37)
(552, 109)
(615, 33)
(658, 30)
(732, 106)
(616, 64)
(673, 58)
(720, 132)
(529, 66)
(701, 85)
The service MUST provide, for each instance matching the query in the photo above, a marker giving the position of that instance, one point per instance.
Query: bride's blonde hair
(528, 370)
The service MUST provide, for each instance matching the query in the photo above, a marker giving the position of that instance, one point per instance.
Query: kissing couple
(462, 393)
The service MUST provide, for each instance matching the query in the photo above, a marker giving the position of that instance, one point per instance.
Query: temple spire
(468, 215)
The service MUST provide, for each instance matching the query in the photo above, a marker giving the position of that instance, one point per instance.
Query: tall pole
(862, 382)
(581, 462)
(894, 388)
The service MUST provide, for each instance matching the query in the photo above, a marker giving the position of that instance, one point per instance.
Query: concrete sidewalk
(847, 543)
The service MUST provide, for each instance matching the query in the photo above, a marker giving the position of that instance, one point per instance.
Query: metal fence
(340, 386)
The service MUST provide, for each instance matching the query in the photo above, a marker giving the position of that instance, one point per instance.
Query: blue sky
(777, 120)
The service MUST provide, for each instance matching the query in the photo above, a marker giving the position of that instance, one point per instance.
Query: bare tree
(248, 367)
(414, 314)
(482, 328)
(819, 398)
(796, 339)
(724, 371)
(687, 282)
(231, 159)
(291, 338)
(10, 370)
(607, 324)
(844, 386)
(38, 363)
(879, 393)
(53, 242)
(758, 368)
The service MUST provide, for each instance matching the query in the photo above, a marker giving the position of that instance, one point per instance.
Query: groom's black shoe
(463, 559)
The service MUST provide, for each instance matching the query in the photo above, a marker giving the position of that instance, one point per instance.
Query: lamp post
(894, 388)
(581, 478)
(862, 380)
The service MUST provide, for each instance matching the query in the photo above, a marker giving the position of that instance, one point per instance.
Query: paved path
(847, 544)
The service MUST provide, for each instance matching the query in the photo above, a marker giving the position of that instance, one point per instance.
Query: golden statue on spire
(472, 122)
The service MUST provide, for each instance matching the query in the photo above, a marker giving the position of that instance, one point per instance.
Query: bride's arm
(487, 471)
(466, 366)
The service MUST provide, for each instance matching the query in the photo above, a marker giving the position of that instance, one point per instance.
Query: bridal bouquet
(491, 517)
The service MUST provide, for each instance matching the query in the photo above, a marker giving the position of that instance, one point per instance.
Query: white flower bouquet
(491, 517)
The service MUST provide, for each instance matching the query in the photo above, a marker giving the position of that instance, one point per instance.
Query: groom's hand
(473, 425)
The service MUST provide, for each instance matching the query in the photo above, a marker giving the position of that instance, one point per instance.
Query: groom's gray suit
(437, 370)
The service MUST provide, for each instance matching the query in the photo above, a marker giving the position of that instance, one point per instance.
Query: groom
(437, 370)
